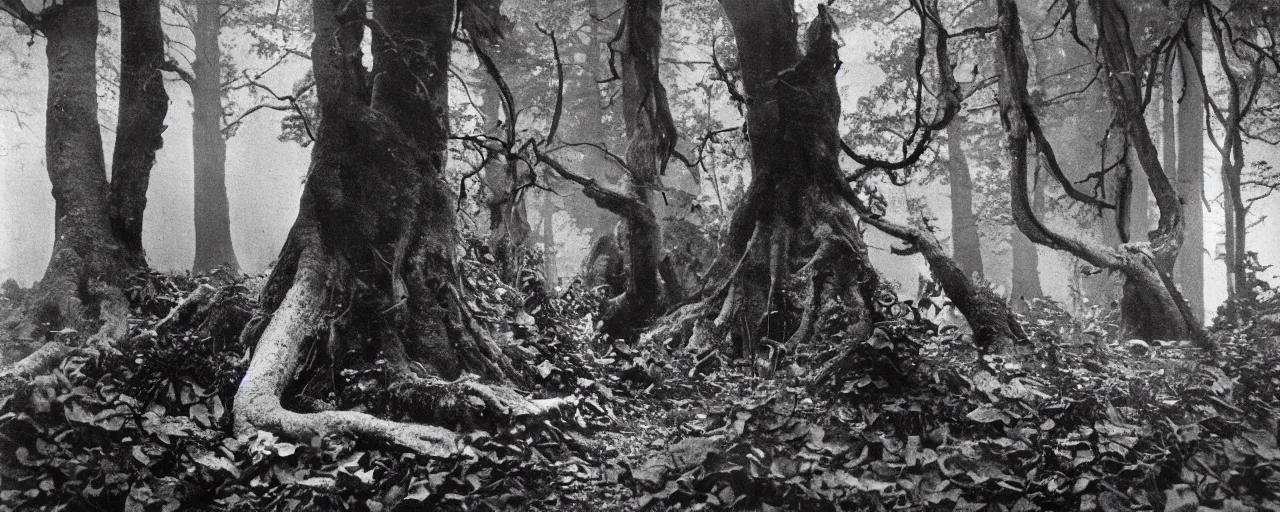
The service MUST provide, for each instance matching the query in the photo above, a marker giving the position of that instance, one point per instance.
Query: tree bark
(143, 105)
(651, 138)
(87, 265)
(509, 228)
(794, 250)
(369, 268)
(967, 244)
(1190, 165)
(1152, 307)
(212, 213)
(550, 256)
(1024, 274)
(1243, 87)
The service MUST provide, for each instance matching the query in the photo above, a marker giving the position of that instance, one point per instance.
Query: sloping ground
(1083, 422)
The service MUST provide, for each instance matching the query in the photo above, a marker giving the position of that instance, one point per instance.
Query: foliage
(1163, 430)
(1253, 313)
(1082, 422)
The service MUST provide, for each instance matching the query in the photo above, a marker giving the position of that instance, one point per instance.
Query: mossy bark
(369, 271)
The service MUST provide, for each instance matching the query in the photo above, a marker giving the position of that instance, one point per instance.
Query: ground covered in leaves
(1082, 421)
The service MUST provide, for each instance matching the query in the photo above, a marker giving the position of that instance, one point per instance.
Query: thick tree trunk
(965, 241)
(87, 265)
(1152, 307)
(794, 250)
(1190, 165)
(97, 225)
(143, 104)
(651, 136)
(212, 213)
(369, 268)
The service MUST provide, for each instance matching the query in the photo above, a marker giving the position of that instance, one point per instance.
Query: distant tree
(198, 59)
(1152, 306)
(651, 135)
(1244, 41)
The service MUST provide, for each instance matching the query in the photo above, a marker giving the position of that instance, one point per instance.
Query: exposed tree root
(368, 277)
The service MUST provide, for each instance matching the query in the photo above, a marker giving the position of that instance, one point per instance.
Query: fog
(264, 178)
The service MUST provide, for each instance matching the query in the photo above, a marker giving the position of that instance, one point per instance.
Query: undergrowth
(1082, 421)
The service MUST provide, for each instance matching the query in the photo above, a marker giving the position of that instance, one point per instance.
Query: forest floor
(1082, 421)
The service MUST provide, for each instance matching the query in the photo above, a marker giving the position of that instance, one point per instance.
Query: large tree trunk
(1152, 307)
(87, 265)
(965, 241)
(143, 104)
(793, 250)
(1190, 165)
(212, 213)
(369, 268)
(97, 225)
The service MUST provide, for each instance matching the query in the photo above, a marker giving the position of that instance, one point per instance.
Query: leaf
(545, 368)
(1180, 498)
(525, 319)
(418, 492)
(200, 413)
(75, 412)
(212, 461)
(987, 414)
(140, 456)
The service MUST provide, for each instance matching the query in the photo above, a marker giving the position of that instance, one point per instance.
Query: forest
(970, 255)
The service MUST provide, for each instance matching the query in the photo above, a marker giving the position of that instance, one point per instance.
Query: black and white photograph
(640, 255)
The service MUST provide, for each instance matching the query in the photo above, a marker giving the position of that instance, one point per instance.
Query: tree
(98, 224)
(795, 219)
(1246, 66)
(966, 244)
(212, 211)
(1152, 306)
(1190, 161)
(651, 136)
(370, 264)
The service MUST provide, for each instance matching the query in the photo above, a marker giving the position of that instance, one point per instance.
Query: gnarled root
(280, 351)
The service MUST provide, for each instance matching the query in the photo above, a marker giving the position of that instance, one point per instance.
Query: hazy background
(264, 180)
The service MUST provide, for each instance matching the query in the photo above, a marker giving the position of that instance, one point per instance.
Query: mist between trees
(418, 189)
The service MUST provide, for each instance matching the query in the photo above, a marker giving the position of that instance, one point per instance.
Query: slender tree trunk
(212, 214)
(1236, 224)
(1024, 282)
(966, 242)
(584, 103)
(550, 260)
(1190, 267)
(375, 194)
(1168, 123)
(1152, 308)
(509, 228)
(143, 104)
